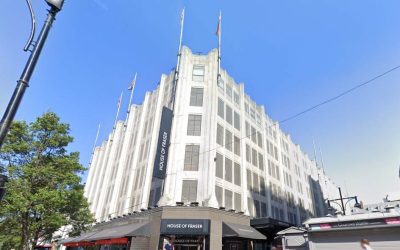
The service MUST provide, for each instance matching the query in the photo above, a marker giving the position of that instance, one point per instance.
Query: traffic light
(3, 180)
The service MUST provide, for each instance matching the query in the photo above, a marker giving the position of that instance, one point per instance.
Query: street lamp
(23, 82)
(343, 205)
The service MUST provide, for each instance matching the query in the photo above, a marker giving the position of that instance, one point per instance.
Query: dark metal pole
(23, 82)
(341, 200)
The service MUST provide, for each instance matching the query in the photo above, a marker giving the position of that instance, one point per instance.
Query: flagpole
(130, 98)
(178, 62)
(219, 47)
(95, 143)
(119, 107)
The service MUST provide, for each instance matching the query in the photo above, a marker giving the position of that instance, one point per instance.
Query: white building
(224, 151)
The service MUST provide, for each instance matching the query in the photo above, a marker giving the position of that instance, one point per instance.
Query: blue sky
(290, 55)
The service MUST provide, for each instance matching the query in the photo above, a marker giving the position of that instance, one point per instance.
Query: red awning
(116, 241)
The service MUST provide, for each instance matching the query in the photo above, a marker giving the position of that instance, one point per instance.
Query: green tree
(44, 191)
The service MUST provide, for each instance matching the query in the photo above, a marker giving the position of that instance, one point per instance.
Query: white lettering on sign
(163, 150)
(184, 226)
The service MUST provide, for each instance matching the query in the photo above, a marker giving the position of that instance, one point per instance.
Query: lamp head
(55, 4)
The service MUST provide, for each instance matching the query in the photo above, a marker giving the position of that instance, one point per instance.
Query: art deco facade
(224, 151)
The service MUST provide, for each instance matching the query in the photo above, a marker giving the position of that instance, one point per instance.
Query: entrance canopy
(241, 231)
(116, 232)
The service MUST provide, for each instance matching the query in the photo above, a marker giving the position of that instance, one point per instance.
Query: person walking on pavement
(365, 244)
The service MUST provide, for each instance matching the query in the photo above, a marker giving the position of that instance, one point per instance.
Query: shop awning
(116, 232)
(142, 231)
(241, 231)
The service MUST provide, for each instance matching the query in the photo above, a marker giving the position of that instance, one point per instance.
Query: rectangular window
(236, 98)
(220, 135)
(228, 140)
(228, 114)
(255, 183)
(189, 190)
(248, 172)
(194, 125)
(229, 91)
(228, 199)
(221, 107)
(218, 194)
(228, 169)
(260, 162)
(263, 209)
(259, 139)
(236, 145)
(254, 157)
(248, 133)
(219, 166)
(262, 186)
(238, 176)
(253, 135)
(257, 207)
(192, 157)
(198, 73)
(238, 202)
(196, 97)
(248, 153)
(250, 206)
(236, 121)
(252, 114)
(246, 108)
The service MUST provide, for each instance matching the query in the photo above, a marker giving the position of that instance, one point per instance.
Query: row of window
(255, 183)
(228, 199)
(255, 135)
(257, 208)
(232, 142)
(255, 158)
(273, 170)
(227, 113)
(227, 170)
(272, 150)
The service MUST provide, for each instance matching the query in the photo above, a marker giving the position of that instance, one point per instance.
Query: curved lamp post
(23, 82)
(343, 205)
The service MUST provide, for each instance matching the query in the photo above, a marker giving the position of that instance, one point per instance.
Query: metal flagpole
(219, 28)
(131, 88)
(119, 107)
(95, 143)
(178, 62)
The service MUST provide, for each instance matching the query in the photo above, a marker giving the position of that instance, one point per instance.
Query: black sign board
(185, 226)
(160, 163)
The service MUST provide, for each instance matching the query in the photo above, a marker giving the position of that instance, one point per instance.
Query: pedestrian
(365, 244)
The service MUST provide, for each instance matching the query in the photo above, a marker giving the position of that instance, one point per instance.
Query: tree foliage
(44, 191)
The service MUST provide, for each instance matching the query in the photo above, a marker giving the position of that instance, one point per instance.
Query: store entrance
(185, 242)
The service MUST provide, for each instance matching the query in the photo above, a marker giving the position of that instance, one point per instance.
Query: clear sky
(290, 55)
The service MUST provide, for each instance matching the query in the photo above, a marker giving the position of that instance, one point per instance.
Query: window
(219, 166)
(229, 91)
(236, 145)
(221, 108)
(189, 190)
(257, 207)
(192, 157)
(236, 121)
(259, 139)
(248, 173)
(263, 209)
(248, 153)
(238, 202)
(255, 183)
(228, 169)
(260, 162)
(237, 174)
(254, 157)
(229, 114)
(250, 206)
(228, 140)
(236, 98)
(247, 129)
(253, 135)
(228, 199)
(194, 125)
(246, 108)
(252, 114)
(196, 97)
(218, 194)
(198, 73)
(262, 186)
(220, 135)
